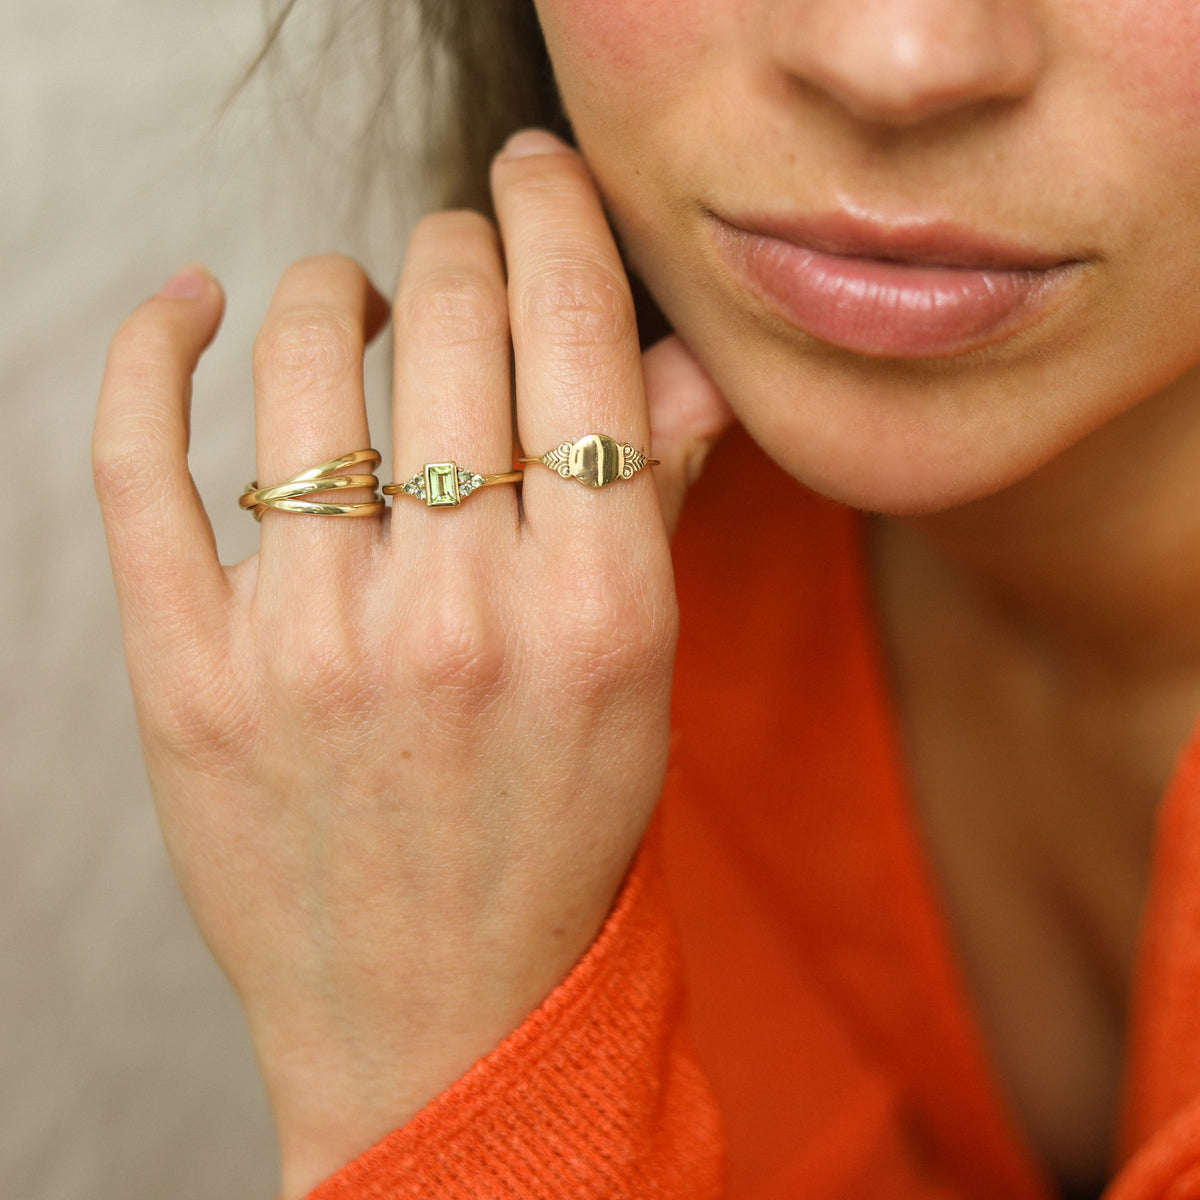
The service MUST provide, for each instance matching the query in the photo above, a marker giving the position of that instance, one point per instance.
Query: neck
(1098, 553)
(1088, 575)
(1045, 651)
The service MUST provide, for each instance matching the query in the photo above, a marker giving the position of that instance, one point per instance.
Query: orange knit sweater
(774, 1011)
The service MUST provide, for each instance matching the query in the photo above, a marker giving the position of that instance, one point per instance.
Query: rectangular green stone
(441, 485)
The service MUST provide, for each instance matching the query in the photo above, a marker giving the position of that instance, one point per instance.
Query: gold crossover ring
(316, 481)
(446, 484)
(594, 460)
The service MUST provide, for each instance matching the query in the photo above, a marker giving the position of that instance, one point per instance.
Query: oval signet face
(595, 460)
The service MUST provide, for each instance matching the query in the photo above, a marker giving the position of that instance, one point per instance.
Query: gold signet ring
(316, 481)
(447, 485)
(594, 460)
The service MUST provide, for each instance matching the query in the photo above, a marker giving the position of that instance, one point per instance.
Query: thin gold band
(314, 482)
(447, 485)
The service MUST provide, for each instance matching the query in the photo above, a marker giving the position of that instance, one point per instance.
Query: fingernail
(188, 283)
(528, 142)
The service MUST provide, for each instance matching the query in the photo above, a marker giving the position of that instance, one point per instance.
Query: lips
(916, 290)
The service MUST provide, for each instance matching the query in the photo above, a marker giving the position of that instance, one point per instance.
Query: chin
(890, 479)
(889, 439)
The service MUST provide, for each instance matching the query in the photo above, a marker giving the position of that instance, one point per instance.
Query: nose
(899, 62)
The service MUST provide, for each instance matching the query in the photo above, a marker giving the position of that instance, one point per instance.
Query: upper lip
(909, 242)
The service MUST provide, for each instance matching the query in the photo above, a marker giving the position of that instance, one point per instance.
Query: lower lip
(890, 309)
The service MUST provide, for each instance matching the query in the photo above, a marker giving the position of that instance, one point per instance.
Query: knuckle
(456, 657)
(143, 354)
(125, 471)
(211, 729)
(138, 339)
(200, 713)
(322, 673)
(612, 636)
(321, 266)
(581, 304)
(308, 348)
(453, 227)
(453, 307)
(543, 184)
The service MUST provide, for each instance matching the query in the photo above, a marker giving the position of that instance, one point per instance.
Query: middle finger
(452, 403)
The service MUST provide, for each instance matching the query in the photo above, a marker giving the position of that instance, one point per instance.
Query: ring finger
(578, 363)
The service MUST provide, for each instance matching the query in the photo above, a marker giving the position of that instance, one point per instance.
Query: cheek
(1151, 51)
(616, 40)
(628, 70)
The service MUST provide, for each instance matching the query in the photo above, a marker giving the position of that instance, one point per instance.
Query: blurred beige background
(124, 1069)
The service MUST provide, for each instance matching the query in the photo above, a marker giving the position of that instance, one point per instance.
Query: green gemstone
(441, 485)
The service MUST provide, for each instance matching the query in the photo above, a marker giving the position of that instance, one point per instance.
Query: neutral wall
(124, 1070)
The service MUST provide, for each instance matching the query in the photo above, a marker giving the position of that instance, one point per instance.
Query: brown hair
(476, 69)
(481, 72)
(499, 80)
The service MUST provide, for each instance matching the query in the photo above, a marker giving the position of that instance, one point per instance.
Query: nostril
(903, 61)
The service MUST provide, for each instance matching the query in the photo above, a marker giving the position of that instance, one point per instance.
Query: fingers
(687, 417)
(452, 398)
(578, 365)
(168, 576)
(309, 408)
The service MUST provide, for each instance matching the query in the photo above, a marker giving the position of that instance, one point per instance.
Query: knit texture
(784, 913)
(595, 1095)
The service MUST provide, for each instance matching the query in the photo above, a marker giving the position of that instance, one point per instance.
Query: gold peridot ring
(594, 460)
(447, 485)
(314, 482)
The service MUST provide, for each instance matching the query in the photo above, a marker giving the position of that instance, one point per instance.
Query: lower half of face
(923, 248)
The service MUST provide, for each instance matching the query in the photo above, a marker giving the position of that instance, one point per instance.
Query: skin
(1038, 597)
(926, 109)
(359, 738)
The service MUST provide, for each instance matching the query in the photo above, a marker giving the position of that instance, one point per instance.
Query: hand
(401, 770)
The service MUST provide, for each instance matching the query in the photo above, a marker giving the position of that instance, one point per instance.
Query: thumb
(687, 416)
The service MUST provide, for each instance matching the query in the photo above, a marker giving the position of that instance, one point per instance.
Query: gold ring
(446, 484)
(314, 482)
(594, 460)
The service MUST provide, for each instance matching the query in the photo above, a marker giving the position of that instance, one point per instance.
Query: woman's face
(922, 245)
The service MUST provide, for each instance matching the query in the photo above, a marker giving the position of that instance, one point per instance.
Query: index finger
(164, 558)
(575, 343)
